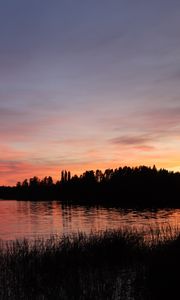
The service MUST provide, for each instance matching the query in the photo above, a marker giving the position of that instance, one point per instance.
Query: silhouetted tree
(25, 183)
(65, 176)
(99, 175)
(62, 176)
(34, 181)
(69, 175)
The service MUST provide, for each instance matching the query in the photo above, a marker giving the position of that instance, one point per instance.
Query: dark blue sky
(87, 84)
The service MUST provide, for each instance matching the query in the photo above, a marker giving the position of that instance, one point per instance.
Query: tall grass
(121, 264)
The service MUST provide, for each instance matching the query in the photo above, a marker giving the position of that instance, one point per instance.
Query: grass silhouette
(121, 264)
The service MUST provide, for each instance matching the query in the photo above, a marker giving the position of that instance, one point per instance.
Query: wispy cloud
(130, 140)
(141, 143)
(149, 130)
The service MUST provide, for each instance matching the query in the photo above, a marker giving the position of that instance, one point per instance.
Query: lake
(19, 219)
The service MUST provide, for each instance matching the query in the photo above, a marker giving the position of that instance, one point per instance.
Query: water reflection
(31, 219)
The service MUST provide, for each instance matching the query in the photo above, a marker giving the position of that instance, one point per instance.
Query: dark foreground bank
(110, 265)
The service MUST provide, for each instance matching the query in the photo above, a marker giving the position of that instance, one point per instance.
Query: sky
(88, 84)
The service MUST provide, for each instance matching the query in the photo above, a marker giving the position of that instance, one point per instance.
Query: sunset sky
(88, 84)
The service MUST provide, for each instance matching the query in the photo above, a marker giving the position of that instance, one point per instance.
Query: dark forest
(127, 187)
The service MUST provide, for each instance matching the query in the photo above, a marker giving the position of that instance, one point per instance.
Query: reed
(115, 264)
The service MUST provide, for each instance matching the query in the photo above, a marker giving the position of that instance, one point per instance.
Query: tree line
(124, 186)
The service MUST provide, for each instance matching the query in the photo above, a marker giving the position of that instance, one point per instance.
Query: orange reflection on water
(21, 219)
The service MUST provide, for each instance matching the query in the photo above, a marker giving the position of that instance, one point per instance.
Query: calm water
(20, 219)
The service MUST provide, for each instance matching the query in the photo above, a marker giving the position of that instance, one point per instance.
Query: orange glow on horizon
(26, 171)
